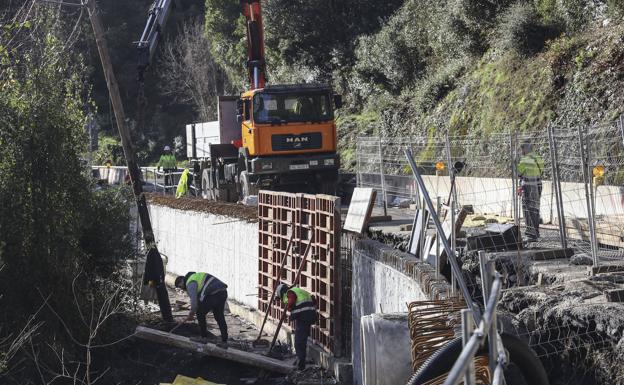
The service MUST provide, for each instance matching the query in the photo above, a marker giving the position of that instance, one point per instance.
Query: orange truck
(276, 137)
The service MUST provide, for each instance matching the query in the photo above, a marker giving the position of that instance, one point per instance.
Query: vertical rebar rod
(447, 247)
(467, 328)
(586, 184)
(556, 186)
(383, 179)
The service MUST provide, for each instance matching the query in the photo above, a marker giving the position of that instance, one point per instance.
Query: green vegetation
(61, 244)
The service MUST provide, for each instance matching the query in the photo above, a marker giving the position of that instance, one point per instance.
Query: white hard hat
(281, 289)
(167, 148)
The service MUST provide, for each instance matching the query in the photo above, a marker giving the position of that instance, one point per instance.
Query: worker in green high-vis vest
(303, 311)
(207, 293)
(530, 170)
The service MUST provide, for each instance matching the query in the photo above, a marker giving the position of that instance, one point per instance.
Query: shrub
(521, 30)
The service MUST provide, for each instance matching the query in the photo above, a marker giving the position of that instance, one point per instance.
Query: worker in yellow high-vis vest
(530, 170)
(207, 293)
(169, 165)
(302, 310)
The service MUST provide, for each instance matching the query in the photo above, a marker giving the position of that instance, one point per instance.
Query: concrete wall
(222, 246)
(385, 280)
(495, 195)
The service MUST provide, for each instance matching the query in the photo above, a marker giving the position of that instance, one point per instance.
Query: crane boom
(256, 64)
(157, 18)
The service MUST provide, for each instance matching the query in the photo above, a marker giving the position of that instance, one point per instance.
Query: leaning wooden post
(133, 168)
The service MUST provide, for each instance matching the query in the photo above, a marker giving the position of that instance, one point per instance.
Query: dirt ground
(249, 214)
(140, 362)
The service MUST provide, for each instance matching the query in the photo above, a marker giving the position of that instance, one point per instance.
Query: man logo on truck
(297, 139)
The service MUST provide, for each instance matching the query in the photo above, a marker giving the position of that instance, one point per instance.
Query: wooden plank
(360, 209)
(213, 350)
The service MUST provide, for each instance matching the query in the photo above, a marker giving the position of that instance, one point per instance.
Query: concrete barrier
(387, 349)
(385, 280)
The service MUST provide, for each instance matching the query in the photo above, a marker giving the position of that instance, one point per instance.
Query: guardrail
(162, 181)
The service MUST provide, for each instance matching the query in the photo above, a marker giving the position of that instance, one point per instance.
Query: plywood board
(360, 209)
(420, 220)
(213, 350)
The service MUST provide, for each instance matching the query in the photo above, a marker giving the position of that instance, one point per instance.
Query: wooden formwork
(312, 221)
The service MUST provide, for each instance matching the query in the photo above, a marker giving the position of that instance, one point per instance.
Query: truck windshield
(280, 108)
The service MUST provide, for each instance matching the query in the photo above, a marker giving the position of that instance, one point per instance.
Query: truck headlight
(329, 162)
(267, 166)
(314, 163)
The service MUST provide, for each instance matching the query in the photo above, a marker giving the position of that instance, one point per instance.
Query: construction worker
(207, 293)
(169, 164)
(530, 170)
(183, 184)
(302, 310)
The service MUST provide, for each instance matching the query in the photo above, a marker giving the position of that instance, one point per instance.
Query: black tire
(524, 367)
(206, 184)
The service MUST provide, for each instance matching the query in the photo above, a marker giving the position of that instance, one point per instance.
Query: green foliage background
(416, 67)
(62, 244)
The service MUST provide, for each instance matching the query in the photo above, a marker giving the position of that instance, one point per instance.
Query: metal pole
(514, 177)
(467, 328)
(450, 168)
(586, 183)
(592, 205)
(383, 179)
(438, 236)
(423, 230)
(131, 160)
(556, 184)
(453, 245)
(487, 275)
(449, 252)
(358, 174)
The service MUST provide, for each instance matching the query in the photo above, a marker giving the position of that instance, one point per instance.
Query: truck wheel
(205, 183)
(246, 188)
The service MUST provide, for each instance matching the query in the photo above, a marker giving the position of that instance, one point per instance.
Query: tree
(188, 71)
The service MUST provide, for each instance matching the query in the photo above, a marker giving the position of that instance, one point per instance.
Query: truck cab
(276, 137)
(289, 137)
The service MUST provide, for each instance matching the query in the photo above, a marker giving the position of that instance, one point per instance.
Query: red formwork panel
(313, 221)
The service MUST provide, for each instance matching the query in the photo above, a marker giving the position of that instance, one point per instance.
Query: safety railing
(154, 179)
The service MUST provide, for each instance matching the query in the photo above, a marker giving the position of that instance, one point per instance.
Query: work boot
(222, 344)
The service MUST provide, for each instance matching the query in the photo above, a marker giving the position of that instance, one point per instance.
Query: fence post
(358, 173)
(450, 168)
(556, 185)
(438, 236)
(588, 194)
(383, 179)
(467, 328)
(453, 244)
(487, 274)
(514, 176)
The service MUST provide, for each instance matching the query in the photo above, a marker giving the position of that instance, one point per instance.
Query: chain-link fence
(576, 201)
